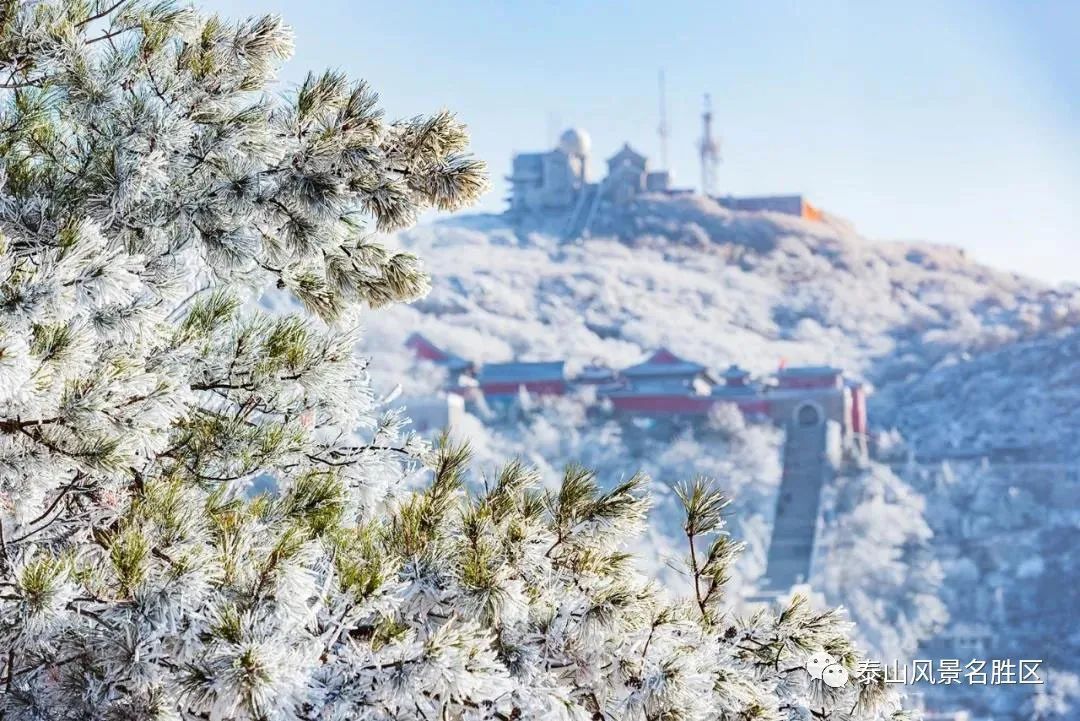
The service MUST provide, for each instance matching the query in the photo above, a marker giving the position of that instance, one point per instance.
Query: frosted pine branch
(151, 190)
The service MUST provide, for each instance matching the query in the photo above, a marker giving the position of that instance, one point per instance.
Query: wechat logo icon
(824, 667)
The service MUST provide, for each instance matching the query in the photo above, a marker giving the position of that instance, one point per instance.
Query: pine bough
(151, 191)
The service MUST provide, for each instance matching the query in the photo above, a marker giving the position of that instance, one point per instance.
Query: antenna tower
(708, 150)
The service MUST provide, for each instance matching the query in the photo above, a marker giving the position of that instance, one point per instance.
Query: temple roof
(521, 372)
(664, 363)
(808, 371)
(734, 371)
(627, 155)
(594, 371)
(425, 349)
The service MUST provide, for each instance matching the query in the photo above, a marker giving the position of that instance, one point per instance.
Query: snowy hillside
(990, 442)
(1023, 398)
(717, 287)
(965, 360)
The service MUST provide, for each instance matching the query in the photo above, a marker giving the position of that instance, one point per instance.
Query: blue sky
(954, 122)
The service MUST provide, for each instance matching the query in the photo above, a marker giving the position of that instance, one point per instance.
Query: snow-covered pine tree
(151, 191)
(878, 547)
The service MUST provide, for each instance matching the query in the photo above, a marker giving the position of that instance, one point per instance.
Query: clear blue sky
(954, 122)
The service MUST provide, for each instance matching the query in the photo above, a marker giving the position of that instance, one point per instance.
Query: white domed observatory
(552, 188)
(545, 182)
(575, 142)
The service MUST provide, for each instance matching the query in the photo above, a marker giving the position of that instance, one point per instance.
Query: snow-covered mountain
(719, 287)
(1021, 398)
(975, 367)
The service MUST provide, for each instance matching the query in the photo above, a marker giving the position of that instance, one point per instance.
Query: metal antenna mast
(662, 129)
(708, 150)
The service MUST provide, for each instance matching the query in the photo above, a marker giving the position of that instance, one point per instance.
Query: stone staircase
(806, 470)
(582, 216)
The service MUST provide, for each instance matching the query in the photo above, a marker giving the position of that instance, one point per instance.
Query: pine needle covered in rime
(151, 189)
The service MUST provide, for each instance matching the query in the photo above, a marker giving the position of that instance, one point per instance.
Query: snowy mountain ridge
(718, 287)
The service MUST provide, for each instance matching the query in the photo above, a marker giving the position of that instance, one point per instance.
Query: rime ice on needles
(151, 190)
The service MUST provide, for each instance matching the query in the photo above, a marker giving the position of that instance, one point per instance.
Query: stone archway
(808, 414)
